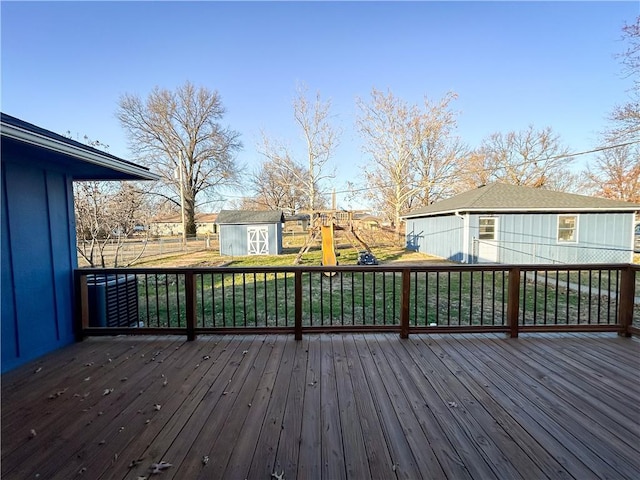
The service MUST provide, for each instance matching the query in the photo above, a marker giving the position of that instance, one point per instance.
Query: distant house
(250, 232)
(514, 224)
(296, 223)
(172, 225)
(38, 241)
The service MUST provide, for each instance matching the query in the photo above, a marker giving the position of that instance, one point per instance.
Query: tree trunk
(189, 215)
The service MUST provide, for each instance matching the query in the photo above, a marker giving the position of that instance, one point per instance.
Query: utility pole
(184, 229)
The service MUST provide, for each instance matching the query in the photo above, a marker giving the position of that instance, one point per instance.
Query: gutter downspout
(465, 235)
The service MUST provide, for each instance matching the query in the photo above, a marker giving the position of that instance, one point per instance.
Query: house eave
(94, 158)
(523, 210)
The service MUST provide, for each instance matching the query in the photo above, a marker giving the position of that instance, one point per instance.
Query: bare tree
(626, 118)
(616, 174)
(321, 138)
(533, 158)
(280, 185)
(301, 175)
(107, 213)
(413, 151)
(180, 130)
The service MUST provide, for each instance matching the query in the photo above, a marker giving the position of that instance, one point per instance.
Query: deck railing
(405, 299)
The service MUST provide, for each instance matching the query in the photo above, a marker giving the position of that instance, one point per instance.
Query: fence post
(404, 308)
(190, 307)
(298, 304)
(513, 301)
(627, 292)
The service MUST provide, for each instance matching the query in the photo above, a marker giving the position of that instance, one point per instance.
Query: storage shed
(501, 223)
(38, 242)
(250, 232)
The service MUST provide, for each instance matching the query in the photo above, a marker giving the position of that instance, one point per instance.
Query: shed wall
(439, 236)
(38, 259)
(532, 238)
(234, 241)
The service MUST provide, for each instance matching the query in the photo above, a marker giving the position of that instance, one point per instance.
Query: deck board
(329, 407)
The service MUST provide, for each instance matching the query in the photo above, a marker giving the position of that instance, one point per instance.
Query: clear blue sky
(65, 65)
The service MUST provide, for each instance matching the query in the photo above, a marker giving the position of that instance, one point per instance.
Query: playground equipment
(328, 246)
(324, 225)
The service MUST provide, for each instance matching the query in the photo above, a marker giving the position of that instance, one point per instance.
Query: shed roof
(500, 197)
(241, 217)
(52, 150)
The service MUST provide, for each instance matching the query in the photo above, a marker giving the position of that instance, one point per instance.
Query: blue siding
(233, 239)
(532, 238)
(527, 238)
(439, 236)
(38, 246)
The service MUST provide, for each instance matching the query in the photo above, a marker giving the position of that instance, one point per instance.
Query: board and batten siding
(533, 238)
(234, 238)
(38, 259)
(525, 238)
(440, 236)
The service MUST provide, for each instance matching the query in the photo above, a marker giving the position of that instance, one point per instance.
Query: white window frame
(575, 228)
(495, 229)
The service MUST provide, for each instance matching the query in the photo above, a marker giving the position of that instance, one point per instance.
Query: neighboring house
(249, 232)
(296, 223)
(366, 221)
(38, 241)
(514, 224)
(171, 226)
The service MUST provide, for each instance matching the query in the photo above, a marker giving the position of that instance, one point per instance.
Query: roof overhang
(489, 211)
(99, 165)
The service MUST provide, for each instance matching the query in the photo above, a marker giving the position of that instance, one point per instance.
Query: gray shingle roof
(241, 217)
(503, 197)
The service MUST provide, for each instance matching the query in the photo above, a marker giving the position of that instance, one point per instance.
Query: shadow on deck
(330, 406)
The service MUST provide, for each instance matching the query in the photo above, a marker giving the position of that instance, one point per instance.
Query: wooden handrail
(624, 306)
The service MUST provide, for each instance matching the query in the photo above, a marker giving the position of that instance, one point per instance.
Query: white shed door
(488, 240)
(258, 240)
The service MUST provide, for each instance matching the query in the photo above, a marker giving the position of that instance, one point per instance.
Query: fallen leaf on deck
(206, 357)
(452, 404)
(157, 407)
(135, 463)
(278, 477)
(107, 391)
(57, 394)
(32, 433)
(159, 467)
(205, 459)
(38, 370)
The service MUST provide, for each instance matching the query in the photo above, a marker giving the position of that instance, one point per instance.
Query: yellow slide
(328, 250)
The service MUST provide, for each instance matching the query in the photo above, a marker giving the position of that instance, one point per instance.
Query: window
(567, 228)
(487, 228)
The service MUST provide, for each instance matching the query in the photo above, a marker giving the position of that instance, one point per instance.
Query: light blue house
(38, 241)
(250, 232)
(501, 223)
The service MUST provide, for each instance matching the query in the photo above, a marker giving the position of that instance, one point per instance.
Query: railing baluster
(330, 299)
(524, 298)
(255, 300)
(244, 298)
(224, 300)
(448, 298)
(190, 304)
(460, 297)
(341, 298)
(266, 314)
(481, 298)
(438, 298)
(384, 297)
(275, 296)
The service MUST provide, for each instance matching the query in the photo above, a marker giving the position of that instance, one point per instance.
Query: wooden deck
(330, 406)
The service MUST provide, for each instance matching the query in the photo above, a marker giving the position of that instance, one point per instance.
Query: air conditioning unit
(113, 300)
